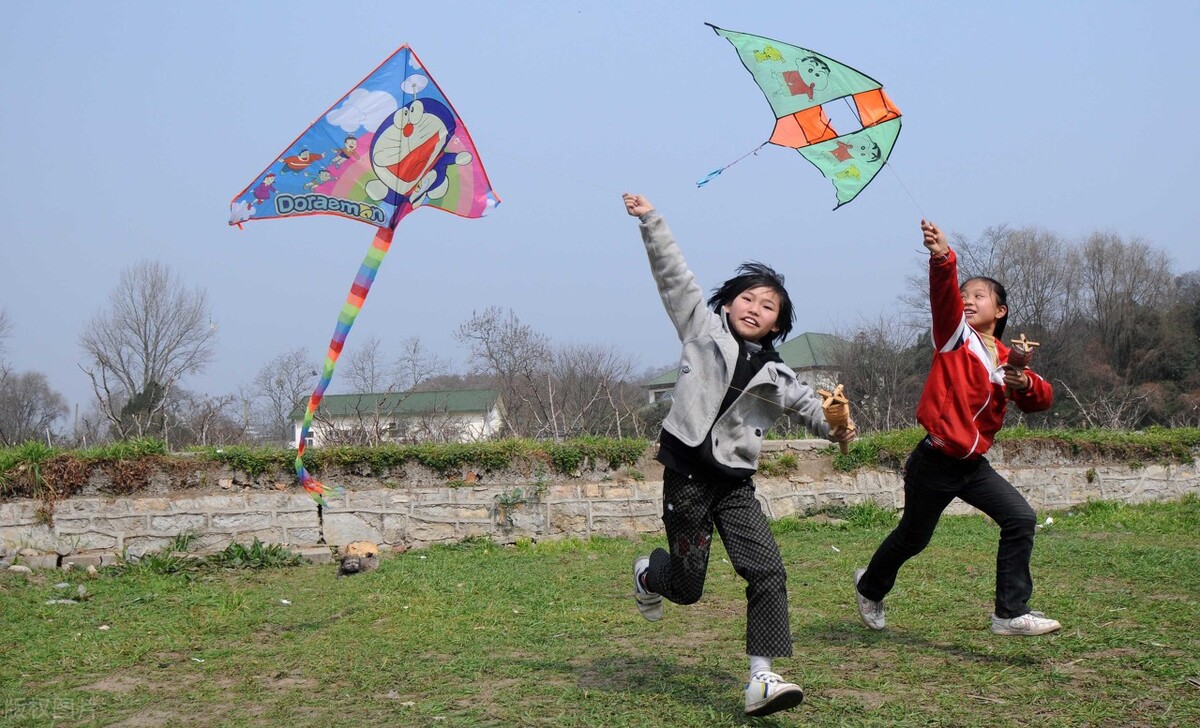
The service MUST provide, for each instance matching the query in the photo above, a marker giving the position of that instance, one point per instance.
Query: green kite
(797, 82)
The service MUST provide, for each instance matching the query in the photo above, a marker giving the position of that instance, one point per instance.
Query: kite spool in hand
(837, 412)
(1021, 353)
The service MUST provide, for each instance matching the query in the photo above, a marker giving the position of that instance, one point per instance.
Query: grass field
(547, 635)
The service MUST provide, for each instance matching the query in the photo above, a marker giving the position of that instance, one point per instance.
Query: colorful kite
(393, 144)
(797, 82)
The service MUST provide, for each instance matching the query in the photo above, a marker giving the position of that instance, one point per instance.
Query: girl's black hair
(756, 275)
(1001, 300)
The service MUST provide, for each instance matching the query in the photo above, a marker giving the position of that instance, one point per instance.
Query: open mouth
(414, 164)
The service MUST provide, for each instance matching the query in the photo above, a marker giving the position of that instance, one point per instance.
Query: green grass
(546, 634)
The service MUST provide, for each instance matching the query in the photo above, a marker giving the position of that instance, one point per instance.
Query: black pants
(931, 481)
(690, 509)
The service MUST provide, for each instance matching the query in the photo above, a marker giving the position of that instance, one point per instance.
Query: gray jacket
(706, 367)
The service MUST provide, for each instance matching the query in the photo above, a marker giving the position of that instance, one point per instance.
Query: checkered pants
(690, 509)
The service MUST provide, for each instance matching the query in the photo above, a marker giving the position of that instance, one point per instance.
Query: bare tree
(883, 366)
(5, 331)
(366, 370)
(591, 394)
(1126, 285)
(416, 364)
(155, 332)
(519, 358)
(88, 427)
(198, 419)
(281, 386)
(29, 408)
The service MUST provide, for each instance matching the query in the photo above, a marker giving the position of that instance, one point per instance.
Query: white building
(457, 415)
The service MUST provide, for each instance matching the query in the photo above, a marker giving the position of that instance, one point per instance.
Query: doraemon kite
(408, 154)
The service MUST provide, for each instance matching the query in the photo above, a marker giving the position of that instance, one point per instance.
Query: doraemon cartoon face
(406, 149)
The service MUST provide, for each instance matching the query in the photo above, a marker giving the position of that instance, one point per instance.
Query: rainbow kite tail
(354, 303)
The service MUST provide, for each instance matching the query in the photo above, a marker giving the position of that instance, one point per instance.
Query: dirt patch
(117, 684)
(287, 681)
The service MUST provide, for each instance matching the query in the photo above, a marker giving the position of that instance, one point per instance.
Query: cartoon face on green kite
(797, 82)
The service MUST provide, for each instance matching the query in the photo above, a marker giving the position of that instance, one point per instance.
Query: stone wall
(95, 528)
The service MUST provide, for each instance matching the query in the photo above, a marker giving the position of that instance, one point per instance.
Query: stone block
(177, 524)
(451, 513)
(475, 530)
(41, 561)
(82, 561)
(265, 535)
(571, 492)
(72, 525)
(433, 495)
(648, 489)
(623, 508)
(120, 524)
(341, 528)
(280, 501)
(315, 554)
(250, 520)
(395, 528)
(88, 540)
(18, 512)
(428, 532)
(139, 546)
(73, 507)
(150, 505)
(613, 526)
(370, 500)
(296, 518)
(568, 521)
(209, 503)
(301, 535)
(398, 500)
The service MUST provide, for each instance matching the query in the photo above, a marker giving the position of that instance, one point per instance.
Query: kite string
(906, 191)
(719, 170)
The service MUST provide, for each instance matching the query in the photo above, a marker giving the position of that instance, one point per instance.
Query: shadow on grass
(850, 634)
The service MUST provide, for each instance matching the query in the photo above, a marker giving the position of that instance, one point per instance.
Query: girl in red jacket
(962, 408)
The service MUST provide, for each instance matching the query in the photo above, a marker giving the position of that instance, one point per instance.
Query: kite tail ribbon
(354, 302)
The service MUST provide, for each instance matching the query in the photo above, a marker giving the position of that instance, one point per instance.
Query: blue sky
(128, 127)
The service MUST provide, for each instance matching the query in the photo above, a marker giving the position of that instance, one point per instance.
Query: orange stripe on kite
(874, 107)
(803, 128)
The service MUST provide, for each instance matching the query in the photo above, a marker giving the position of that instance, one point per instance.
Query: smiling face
(981, 306)
(814, 71)
(408, 147)
(753, 313)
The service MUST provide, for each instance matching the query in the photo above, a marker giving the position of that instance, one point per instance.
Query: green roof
(447, 401)
(810, 350)
(807, 351)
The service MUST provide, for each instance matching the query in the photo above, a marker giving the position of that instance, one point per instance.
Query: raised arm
(945, 300)
(681, 295)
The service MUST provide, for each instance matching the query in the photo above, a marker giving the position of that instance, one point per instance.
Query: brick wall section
(620, 503)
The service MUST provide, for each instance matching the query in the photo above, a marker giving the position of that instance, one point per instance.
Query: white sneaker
(1026, 625)
(649, 603)
(869, 610)
(768, 693)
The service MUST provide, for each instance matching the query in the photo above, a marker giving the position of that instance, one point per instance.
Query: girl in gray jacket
(732, 387)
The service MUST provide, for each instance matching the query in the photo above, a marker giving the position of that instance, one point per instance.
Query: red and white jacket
(962, 405)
